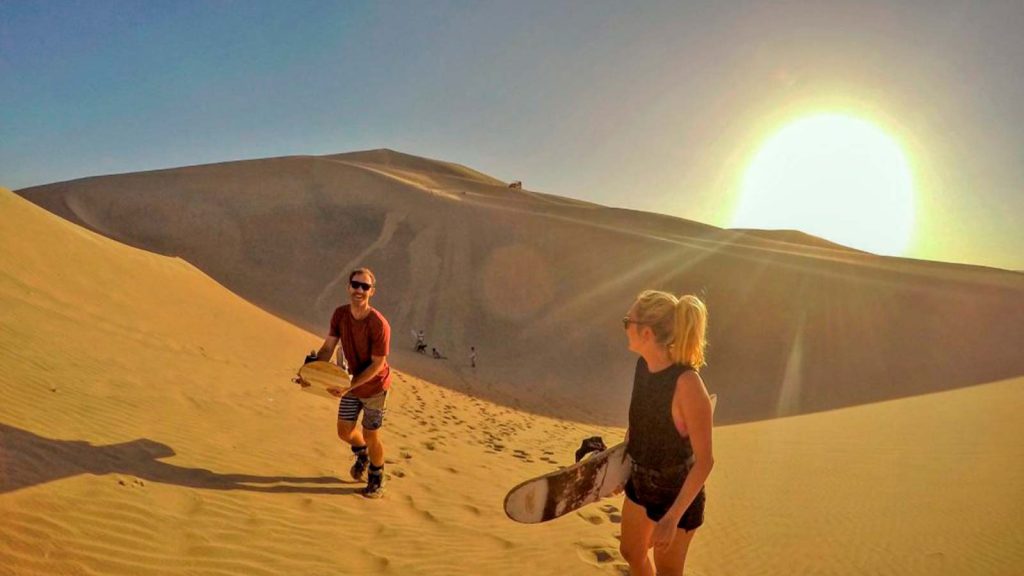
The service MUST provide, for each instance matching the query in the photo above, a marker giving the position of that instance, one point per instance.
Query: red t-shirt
(361, 340)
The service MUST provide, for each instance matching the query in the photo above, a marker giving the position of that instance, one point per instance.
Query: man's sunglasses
(356, 285)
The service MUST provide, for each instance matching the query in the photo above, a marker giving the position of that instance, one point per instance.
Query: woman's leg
(670, 560)
(636, 538)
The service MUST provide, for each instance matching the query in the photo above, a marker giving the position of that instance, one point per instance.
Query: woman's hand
(665, 531)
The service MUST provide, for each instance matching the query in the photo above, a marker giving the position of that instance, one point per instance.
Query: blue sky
(653, 106)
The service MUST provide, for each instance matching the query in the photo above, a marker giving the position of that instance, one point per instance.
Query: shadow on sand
(27, 460)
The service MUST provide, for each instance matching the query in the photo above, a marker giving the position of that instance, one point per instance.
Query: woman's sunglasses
(626, 321)
(356, 285)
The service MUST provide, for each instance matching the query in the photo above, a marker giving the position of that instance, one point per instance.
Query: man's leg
(348, 413)
(374, 446)
(373, 419)
(350, 433)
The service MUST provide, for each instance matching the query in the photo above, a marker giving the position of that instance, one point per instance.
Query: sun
(833, 176)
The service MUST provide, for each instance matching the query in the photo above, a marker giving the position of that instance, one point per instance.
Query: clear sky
(652, 106)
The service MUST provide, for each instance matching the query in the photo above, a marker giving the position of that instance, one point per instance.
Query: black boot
(374, 482)
(358, 469)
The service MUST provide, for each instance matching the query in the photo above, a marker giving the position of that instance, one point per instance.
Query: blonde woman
(669, 434)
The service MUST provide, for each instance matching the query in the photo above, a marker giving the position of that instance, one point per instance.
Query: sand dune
(147, 426)
(537, 283)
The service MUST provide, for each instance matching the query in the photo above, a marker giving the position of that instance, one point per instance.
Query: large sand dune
(147, 426)
(538, 283)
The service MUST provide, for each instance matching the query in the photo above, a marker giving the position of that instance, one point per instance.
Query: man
(365, 338)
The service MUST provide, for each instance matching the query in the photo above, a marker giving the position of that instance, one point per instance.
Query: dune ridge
(537, 283)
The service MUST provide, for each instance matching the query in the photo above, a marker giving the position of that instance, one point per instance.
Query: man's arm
(372, 370)
(327, 350)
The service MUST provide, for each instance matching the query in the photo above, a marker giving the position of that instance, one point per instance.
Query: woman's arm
(692, 404)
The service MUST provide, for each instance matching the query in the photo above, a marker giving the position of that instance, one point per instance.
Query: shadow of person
(27, 459)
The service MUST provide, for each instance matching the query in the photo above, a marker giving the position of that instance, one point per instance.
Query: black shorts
(656, 491)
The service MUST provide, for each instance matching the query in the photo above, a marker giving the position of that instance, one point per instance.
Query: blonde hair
(678, 323)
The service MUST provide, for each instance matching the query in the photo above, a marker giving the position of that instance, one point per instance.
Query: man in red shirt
(365, 338)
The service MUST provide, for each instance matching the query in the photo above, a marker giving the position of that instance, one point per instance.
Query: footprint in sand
(590, 516)
(133, 483)
(601, 554)
(612, 512)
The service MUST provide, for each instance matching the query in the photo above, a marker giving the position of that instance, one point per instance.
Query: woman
(669, 434)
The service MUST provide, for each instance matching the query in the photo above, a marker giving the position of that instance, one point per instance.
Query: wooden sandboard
(324, 379)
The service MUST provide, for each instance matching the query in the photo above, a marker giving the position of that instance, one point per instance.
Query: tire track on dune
(424, 271)
(426, 181)
(387, 231)
(451, 314)
(440, 251)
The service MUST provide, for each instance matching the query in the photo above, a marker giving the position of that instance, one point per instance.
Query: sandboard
(557, 493)
(324, 379)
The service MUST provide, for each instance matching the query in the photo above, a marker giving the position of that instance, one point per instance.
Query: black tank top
(654, 441)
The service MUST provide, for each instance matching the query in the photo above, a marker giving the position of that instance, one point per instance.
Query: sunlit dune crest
(533, 280)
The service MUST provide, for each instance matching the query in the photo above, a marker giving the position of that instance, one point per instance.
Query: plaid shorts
(373, 409)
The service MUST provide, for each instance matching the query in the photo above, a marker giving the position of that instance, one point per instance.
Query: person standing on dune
(669, 434)
(365, 338)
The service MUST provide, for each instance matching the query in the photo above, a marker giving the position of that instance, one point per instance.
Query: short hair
(367, 271)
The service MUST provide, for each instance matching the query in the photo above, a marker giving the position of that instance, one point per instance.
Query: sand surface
(147, 426)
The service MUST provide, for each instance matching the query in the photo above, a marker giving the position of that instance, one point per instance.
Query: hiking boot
(358, 469)
(374, 486)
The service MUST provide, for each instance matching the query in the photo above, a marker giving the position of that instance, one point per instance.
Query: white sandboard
(557, 493)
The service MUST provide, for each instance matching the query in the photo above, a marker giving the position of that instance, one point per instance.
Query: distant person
(421, 343)
(472, 357)
(437, 355)
(669, 434)
(365, 338)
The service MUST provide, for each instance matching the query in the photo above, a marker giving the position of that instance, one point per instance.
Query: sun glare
(837, 177)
